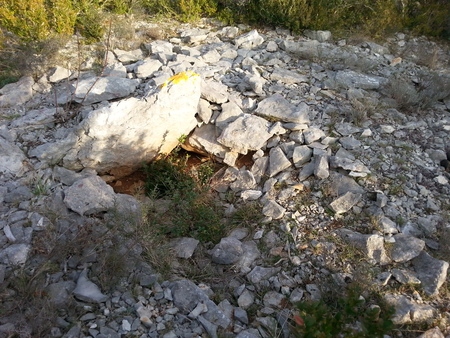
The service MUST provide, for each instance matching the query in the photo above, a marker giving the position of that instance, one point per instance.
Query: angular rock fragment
(159, 46)
(251, 195)
(59, 73)
(15, 254)
(277, 107)
(249, 40)
(186, 295)
(147, 67)
(349, 143)
(341, 184)
(273, 209)
(185, 247)
(88, 291)
(345, 202)
(387, 226)
(277, 161)
(405, 276)
(230, 112)
(307, 170)
(244, 181)
(246, 299)
(204, 139)
(17, 93)
(313, 134)
(247, 132)
(274, 299)
(320, 36)
(305, 49)
(54, 152)
(89, 196)
(321, 166)
(260, 273)
(406, 248)
(371, 245)
(116, 69)
(259, 168)
(287, 76)
(204, 112)
(214, 92)
(128, 56)
(351, 79)
(228, 251)
(36, 119)
(250, 254)
(12, 158)
(432, 272)
(407, 311)
(94, 90)
(301, 155)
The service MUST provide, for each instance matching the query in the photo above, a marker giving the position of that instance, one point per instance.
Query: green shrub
(26, 18)
(120, 6)
(347, 315)
(165, 179)
(428, 17)
(368, 15)
(194, 212)
(38, 20)
(62, 15)
(196, 216)
(7, 78)
(89, 21)
(184, 10)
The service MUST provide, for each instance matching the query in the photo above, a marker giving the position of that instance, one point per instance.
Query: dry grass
(414, 97)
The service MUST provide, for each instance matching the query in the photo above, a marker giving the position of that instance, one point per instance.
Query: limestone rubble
(334, 159)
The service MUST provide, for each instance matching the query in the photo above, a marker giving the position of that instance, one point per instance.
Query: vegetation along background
(38, 20)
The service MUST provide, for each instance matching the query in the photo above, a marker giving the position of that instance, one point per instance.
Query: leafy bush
(38, 20)
(89, 21)
(33, 20)
(184, 10)
(345, 316)
(428, 17)
(7, 78)
(194, 212)
(166, 179)
(27, 19)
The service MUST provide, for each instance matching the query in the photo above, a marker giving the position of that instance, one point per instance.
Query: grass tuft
(347, 314)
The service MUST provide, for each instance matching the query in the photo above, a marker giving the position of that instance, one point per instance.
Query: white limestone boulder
(277, 107)
(247, 132)
(94, 90)
(89, 196)
(12, 159)
(17, 93)
(119, 138)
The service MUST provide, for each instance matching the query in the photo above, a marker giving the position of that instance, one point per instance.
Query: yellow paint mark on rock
(177, 78)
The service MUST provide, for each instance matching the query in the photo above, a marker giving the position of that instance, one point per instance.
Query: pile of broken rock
(319, 163)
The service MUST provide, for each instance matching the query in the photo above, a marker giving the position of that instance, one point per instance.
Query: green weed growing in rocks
(193, 210)
(247, 215)
(40, 187)
(348, 314)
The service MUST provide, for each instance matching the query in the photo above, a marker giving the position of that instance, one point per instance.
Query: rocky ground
(334, 174)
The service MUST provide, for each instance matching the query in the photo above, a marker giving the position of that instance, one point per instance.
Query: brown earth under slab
(133, 184)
